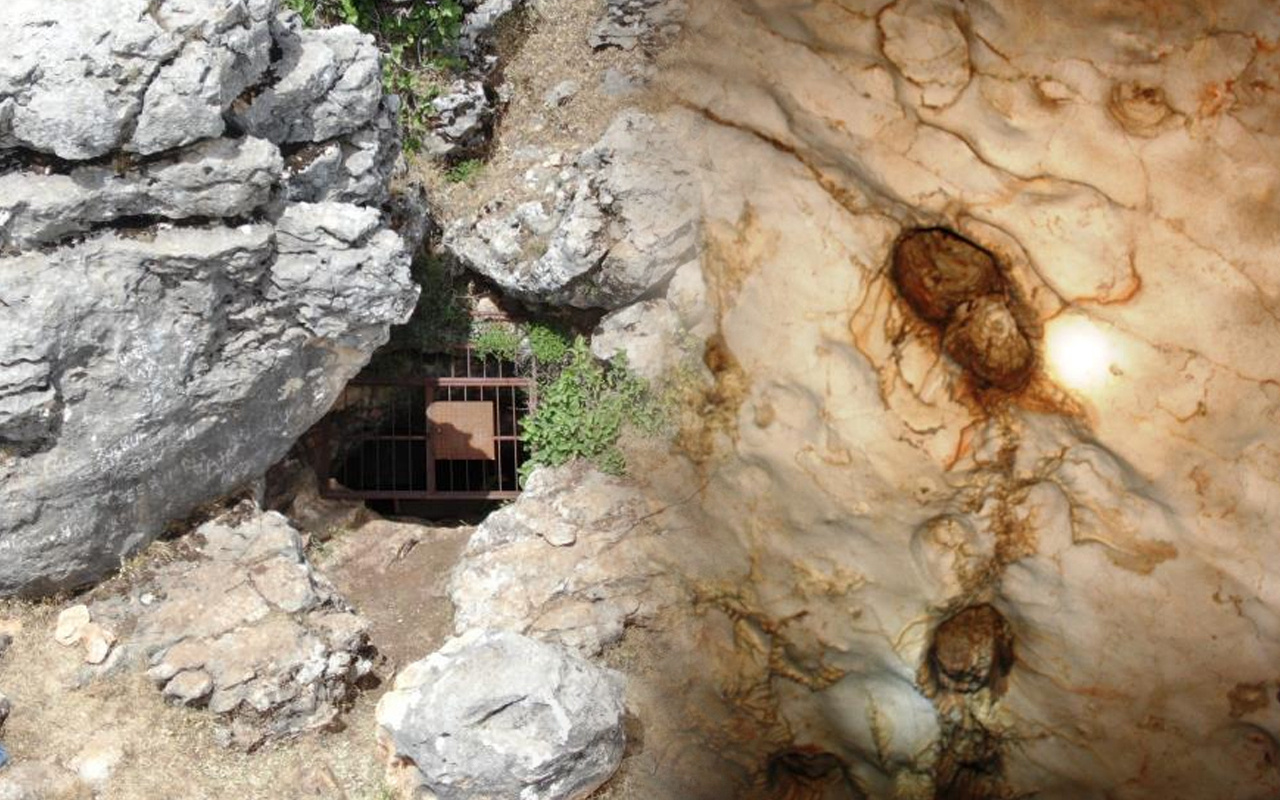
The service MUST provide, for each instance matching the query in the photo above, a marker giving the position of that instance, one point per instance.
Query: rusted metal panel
(462, 430)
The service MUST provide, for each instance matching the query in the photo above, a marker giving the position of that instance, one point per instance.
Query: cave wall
(961, 585)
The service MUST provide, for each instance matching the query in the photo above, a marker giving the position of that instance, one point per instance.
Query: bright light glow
(1078, 352)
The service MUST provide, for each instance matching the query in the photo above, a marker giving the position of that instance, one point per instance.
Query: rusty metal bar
(363, 410)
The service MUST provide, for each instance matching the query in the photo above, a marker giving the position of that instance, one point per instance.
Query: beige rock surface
(1113, 512)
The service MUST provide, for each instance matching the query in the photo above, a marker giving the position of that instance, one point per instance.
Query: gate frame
(431, 385)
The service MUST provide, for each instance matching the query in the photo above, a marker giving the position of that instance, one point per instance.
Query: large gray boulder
(180, 299)
(609, 230)
(493, 715)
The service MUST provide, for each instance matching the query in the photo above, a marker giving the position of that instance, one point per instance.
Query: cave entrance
(450, 432)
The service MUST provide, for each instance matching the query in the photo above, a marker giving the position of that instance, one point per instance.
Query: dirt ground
(397, 575)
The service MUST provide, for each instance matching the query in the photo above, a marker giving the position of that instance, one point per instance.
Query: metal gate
(450, 435)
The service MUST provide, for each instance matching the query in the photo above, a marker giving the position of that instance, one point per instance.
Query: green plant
(464, 171)
(306, 9)
(549, 346)
(496, 339)
(584, 410)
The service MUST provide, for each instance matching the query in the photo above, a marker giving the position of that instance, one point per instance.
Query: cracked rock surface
(613, 226)
(568, 562)
(548, 728)
(192, 261)
(245, 628)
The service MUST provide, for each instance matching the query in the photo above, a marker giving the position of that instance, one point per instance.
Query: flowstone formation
(193, 261)
(988, 459)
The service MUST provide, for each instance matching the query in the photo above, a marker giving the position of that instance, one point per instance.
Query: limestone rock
(461, 121)
(615, 225)
(327, 84)
(81, 82)
(97, 642)
(275, 656)
(217, 178)
(568, 562)
(71, 625)
(479, 23)
(630, 23)
(182, 308)
(649, 333)
(495, 714)
(353, 168)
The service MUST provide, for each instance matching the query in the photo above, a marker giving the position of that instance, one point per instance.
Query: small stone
(97, 641)
(70, 624)
(6, 707)
(99, 757)
(496, 714)
(5, 641)
(190, 687)
(560, 94)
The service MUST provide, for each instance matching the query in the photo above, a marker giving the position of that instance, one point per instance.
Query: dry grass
(545, 48)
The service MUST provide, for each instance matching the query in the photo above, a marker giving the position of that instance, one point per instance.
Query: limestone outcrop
(193, 261)
(611, 228)
(278, 653)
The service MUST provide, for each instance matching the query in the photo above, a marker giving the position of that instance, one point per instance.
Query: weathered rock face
(569, 562)
(616, 225)
(630, 23)
(461, 121)
(999, 521)
(278, 654)
(493, 714)
(191, 263)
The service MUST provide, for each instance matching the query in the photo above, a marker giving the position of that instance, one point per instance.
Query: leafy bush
(496, 339)
(417, 40)
(549, 346)
(584, 410)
